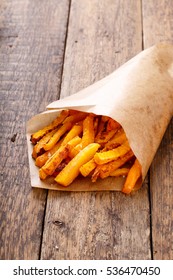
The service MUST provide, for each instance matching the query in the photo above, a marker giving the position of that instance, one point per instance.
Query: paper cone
(139, 95)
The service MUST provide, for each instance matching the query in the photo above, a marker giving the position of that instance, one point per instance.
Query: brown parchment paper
(139, 95)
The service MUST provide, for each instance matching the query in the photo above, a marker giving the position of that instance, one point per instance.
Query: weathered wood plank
(32, 38)
(158, 26)
(106, 225)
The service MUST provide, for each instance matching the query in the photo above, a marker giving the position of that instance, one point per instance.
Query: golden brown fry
(41, 160)
(86, 169)
(35, 137)
(106, 169)
(96, 124)
(101, 127)
(105, 157)
(112, 124)
(118, 139)
(52, 163)
(105, 136)
(73, 142)
(75, 131)
(55, 138)
(61, 166)
(66, 126)
(105, 119)
(88, 131)
(42, 174)
(120, 172)
(75, 118)
(62, 153)
(88, 135)
(134, 173)
(107, 130)
(76, 112)
(71, 171)
(40, 145)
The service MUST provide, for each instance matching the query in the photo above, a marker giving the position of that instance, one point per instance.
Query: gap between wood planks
(65, 44)
(148, 175)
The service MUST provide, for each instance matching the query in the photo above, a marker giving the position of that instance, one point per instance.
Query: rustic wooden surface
(54, 48)
(158, 26)
(32, 41)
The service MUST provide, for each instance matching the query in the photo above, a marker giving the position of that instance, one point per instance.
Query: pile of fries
(84, 144)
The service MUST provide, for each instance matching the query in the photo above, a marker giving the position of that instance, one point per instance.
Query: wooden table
(51, 49)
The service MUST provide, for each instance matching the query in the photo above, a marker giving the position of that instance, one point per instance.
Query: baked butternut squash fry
(112, 124)
(96, 124)
(71, 170)
(106, 169)
(88, 135)
(56, 137)
(118, 139)
(42, 174)
(72, 144)
(132, 177)
(40, 145)
(86, 169)
(119, 172)
(66, 126)
(88, 131)
(35, 137)
(52, 163)
(76, 130)
(108, 128)
(62, 153)
(101, 128)
(41, 160)
(75, 118)
(105, 157)
(106, 136)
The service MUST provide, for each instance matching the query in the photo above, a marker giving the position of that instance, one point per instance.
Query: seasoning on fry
(71, 171)
(88, 135)
(101, 158)
(39, 134)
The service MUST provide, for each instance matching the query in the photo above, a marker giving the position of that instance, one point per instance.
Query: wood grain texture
(107, 225)
(32, 38)
(102, 36)
(157, 27)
